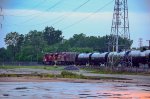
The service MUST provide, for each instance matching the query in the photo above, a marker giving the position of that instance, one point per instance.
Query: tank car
(83, 58)
(112, 58)
(134, 57)
(99, 58)
(145, 57)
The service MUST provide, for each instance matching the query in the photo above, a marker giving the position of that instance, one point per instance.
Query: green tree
(35, 43)
(78, 40)
(4, 55)
(12, 41)
(52, 36)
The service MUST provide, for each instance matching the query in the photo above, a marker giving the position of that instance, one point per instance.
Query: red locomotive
(61, 58)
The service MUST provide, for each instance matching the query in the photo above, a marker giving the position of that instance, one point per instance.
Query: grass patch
(64, 74)
(102, 71)
(28, 75)
(34, 67)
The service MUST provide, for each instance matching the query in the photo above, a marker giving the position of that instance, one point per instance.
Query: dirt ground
(130, 87)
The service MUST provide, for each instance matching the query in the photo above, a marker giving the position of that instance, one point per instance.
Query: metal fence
(20, 63)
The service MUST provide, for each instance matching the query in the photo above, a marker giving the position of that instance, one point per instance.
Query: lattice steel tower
(120, 24)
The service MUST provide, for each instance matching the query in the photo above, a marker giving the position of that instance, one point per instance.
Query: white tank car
(135, 57)
(147, 53)
(83, 59)
(98, 58)
(84, 55)
(112, 57)
(121, 54)
(135, 53)
(95, 56)
(146, 59)
(112, 54)
(103, 55)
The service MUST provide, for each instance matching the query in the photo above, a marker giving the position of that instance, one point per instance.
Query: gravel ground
(134, 78)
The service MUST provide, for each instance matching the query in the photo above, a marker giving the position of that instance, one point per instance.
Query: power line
(45, 10)
(74, 10)
(79, 21)
(37, 5)
(62, 17)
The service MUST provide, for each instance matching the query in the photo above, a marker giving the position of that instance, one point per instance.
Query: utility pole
(1, 15)
(149, 43)
(120, 24)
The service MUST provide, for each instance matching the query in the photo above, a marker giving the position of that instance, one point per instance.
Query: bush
(66, 74)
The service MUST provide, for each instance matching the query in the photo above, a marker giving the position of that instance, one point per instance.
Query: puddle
(144, 85)
(117, 94)
(92, 96)
(146, 90)
(5, 94)
(121, 86)
(84, 94)
(63, 90)
(21, 88)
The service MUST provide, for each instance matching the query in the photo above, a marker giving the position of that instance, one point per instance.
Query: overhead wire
(34, 17)
(62, 17)
(36, 6)
(79, 21)
(74, 10)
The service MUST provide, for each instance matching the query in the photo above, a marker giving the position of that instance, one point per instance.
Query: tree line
(33, 45)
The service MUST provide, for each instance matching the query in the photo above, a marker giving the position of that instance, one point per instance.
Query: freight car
(83, 59)
(99, 58)
(124, 58)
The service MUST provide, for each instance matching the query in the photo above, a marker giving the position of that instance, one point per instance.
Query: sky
(23, 16)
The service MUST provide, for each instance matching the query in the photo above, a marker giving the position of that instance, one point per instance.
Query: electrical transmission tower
(149, 43)
(120, 25)
(140, 43)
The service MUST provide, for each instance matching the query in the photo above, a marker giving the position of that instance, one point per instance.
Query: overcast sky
(25, 15)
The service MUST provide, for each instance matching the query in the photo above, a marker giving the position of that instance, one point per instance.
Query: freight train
(123, 58)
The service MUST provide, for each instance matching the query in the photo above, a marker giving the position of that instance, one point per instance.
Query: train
(124, 58)
(60, 58)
